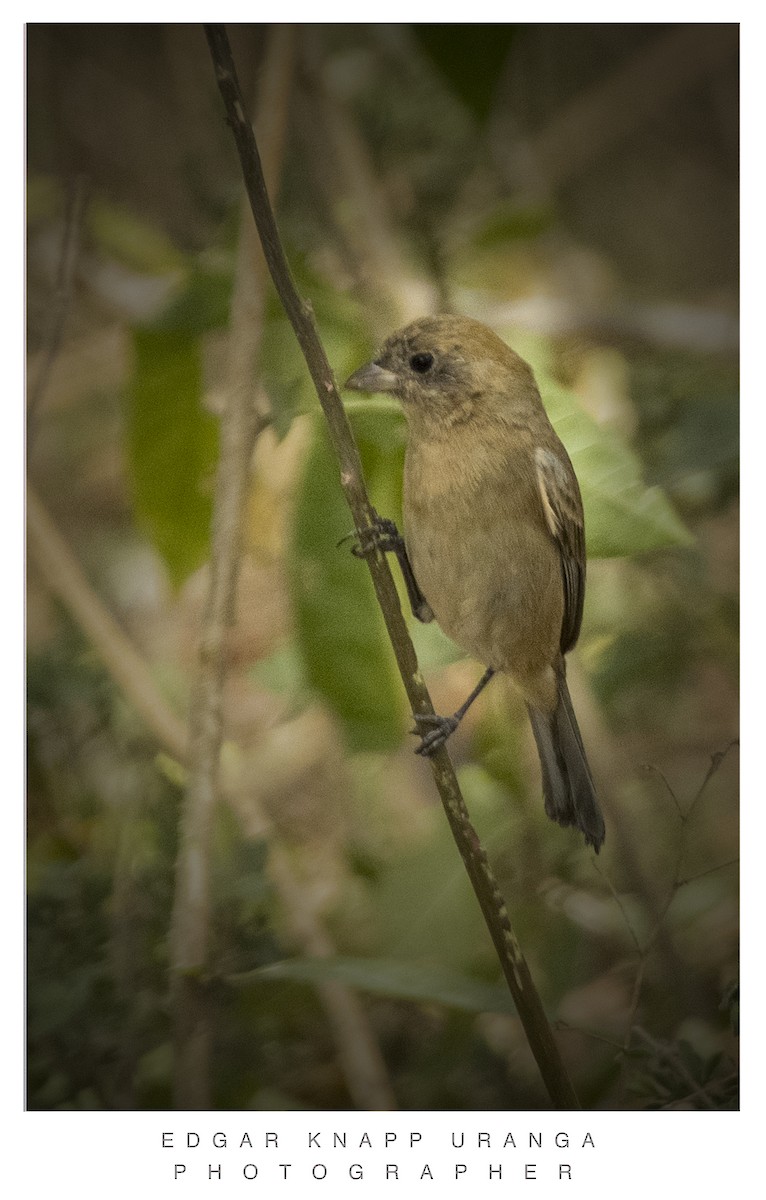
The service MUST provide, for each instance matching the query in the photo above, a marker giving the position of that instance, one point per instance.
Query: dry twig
(644, 948)
(515, 969)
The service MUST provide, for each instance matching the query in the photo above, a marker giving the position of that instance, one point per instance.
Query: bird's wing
(563, 514)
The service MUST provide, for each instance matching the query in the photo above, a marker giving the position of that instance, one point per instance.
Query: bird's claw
(381, 535)
(437, 730)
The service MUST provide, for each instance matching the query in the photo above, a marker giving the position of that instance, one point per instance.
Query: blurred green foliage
(622, 515)
(388, 977)
(173, 445)
(121, 234)
(339, 626)
(470, 57)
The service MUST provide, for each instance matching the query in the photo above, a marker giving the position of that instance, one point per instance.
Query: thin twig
(698, 1092)
(651, 769)
(672, 1057)
(515, 969)
(730, 862)
(610, 763)
(566, 1027)
(618, 901)
(635, 1000)
(716, 761)
(677, 882)
(715, 1085)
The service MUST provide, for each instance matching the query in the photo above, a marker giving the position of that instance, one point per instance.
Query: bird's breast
(482, 555)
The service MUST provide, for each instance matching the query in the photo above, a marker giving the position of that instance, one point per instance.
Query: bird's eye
(422, 363)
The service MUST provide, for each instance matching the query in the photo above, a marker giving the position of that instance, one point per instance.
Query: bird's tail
(570, 797)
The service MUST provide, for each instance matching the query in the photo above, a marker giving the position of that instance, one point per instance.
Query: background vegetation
(569, 188)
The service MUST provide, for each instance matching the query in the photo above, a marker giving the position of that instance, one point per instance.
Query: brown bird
(494, 542)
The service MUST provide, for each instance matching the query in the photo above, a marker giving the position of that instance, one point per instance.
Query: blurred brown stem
(245, 414)
(240, 424)
(358, 1052)
(70, 247)
(64, 577)
(513, 963)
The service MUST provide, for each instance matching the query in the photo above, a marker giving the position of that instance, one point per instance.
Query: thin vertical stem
(240, 424)
(300, 314)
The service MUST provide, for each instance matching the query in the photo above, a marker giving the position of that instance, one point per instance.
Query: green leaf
(378, 420)
(280, 672)
(511, 221)
(130, 239)
(623, 515)
(470, 57)
(283, 369)
(387, 977)
(202, 304)
(381, 435)
(285, 375)
(346, 653)
(173, 447)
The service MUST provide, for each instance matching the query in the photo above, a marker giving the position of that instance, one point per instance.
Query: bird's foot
(381, 535)
(433, 731)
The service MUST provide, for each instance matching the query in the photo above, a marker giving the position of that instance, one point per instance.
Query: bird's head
(446, 369)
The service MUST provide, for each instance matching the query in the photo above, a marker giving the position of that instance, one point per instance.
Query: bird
(493, 545)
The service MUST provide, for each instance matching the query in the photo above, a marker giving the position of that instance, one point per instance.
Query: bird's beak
(372, 378)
